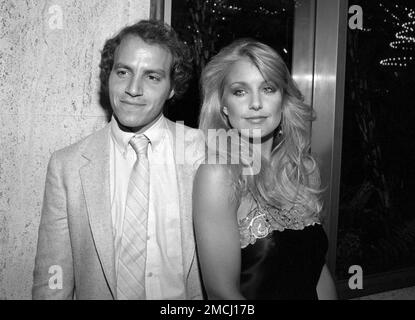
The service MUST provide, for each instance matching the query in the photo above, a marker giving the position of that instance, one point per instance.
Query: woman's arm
(217, 233)
(326, 289)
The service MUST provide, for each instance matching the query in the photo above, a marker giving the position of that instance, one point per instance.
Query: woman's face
(250, 102)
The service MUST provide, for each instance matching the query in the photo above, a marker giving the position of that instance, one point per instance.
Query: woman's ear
(225, 110)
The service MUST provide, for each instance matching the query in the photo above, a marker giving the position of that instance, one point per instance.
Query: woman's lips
(256, 119)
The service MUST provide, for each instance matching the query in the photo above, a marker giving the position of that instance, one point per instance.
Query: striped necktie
(132, 257)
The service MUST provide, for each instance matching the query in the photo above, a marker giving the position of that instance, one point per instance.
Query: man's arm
(53, 274)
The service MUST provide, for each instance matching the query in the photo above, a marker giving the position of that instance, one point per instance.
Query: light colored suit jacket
(75, 232)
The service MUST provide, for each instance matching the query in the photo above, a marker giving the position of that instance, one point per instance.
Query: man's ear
(172, 92)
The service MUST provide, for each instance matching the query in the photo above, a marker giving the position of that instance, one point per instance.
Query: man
(116, 218)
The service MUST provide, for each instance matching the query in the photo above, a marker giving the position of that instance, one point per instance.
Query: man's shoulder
(191, 135)
(188, 143)
(77, 148)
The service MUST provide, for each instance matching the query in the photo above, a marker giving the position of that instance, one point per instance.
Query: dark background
(376, 227)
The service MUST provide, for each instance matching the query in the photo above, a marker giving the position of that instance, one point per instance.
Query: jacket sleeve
(53, 276)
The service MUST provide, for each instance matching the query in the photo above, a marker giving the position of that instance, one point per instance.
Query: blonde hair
(291, 175)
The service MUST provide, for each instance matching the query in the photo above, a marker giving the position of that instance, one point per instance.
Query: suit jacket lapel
(185, 194)
(185, 181)
(96, 187)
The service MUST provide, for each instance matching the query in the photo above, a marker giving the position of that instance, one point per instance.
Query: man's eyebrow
(121, 65)
(158, 71)
(161, 72)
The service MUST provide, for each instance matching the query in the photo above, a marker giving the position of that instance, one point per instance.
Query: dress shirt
(164, 268)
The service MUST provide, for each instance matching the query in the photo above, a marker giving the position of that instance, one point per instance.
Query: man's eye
(154, 78)
(121, 73)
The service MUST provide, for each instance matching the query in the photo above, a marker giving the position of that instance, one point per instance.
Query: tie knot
(139, 143)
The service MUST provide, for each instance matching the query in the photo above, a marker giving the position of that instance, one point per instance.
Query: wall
(49, 57)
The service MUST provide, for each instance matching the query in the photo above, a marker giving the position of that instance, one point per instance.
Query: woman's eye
(239, 92)
(269, 89)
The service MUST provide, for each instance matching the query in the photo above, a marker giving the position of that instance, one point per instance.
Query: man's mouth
(134, 103)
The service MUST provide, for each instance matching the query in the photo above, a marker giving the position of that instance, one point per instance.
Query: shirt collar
(155, 134)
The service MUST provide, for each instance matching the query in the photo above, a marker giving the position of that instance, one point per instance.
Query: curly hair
(151, 32)
(291, 176)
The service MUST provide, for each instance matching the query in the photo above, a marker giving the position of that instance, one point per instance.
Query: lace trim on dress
(263, 220)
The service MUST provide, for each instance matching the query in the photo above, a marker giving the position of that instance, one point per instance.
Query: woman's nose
(255, 103)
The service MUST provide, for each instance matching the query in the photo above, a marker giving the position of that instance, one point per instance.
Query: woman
(259, 236)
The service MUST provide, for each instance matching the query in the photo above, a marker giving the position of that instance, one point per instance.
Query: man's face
(139, 83)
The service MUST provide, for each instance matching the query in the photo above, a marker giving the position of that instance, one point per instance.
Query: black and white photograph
(193, 152)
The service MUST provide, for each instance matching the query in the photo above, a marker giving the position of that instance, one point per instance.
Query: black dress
(282, 262)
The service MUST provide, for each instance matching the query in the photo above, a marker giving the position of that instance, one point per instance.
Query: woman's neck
(266, 148)
(263, 145)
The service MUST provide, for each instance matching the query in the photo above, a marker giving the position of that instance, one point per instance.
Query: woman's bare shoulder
(215, 183)
(215, 174)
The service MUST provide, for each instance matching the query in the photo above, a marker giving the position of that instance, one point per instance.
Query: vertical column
(157, 9)
(328, 100)
(303, 47)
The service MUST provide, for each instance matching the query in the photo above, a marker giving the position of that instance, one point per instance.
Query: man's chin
(129, 125)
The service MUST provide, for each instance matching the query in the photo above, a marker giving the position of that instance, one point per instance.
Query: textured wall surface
(49, 57)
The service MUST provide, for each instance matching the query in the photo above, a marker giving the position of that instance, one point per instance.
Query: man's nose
(134, 87)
